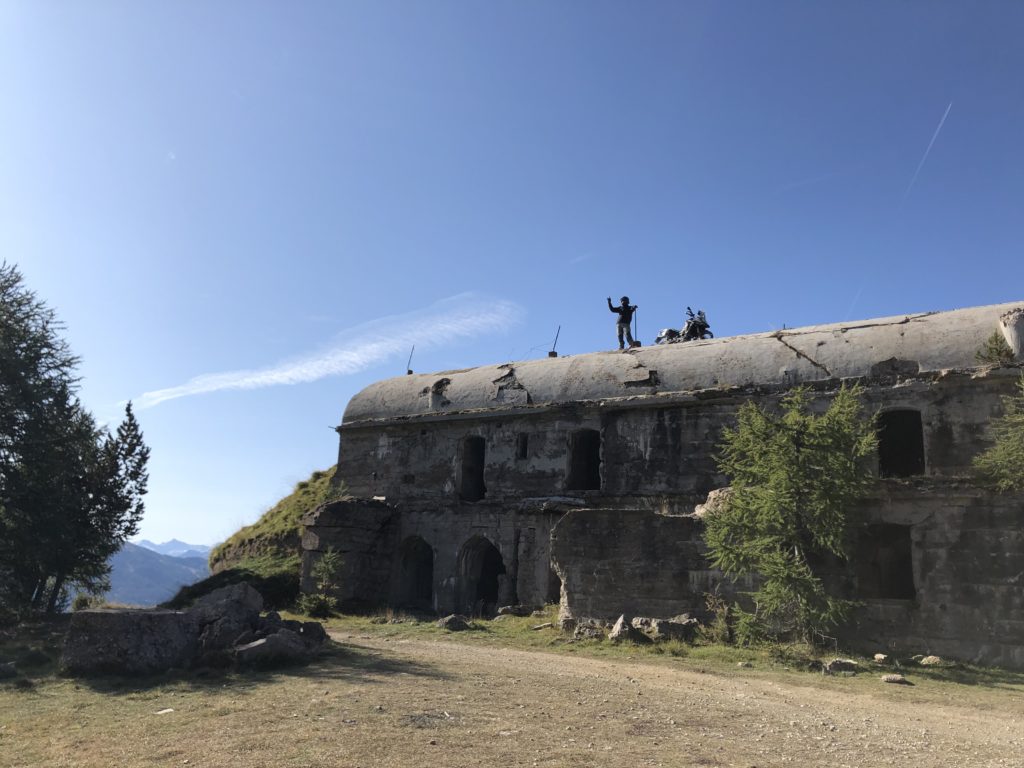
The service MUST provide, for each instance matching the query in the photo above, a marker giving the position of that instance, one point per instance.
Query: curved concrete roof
(928, 341)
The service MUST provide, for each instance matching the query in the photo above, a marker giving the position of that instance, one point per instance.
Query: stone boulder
(681, 628)
(624, 632)
(587, 631)
(224, 614)
(714, 503)
(128, 642)
(516, 610)
(454, 623)
(282, 648)
(841, 665)
(313, 634)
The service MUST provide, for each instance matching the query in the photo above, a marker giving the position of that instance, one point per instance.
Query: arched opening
(481, 576)
(472, 486)
(900, 443)
(416, 577)
(584, 470)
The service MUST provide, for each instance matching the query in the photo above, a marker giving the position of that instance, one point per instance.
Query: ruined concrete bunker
(576, 479)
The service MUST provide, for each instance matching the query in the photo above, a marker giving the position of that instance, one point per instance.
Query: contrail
(924, 157)
(461, 317)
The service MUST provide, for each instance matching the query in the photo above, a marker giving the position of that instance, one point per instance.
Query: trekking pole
(636, 334)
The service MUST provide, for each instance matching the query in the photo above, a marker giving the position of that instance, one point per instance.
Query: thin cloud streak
(451, 320)
(924, 157)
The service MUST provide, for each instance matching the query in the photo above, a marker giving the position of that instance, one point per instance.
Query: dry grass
(410, 694)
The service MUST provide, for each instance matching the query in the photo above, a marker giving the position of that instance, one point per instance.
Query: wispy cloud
(579, 259)
(924, 157)
(449, 321)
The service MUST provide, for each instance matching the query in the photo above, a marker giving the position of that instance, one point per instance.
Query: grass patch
(279, 530)
(797, 662)
(274, 576)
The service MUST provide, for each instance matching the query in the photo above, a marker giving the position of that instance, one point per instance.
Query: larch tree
(796, 477)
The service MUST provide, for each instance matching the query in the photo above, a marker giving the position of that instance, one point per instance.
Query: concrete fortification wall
(576, 479)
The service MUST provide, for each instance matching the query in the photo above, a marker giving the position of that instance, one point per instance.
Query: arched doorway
(416, 576)
(481, 577)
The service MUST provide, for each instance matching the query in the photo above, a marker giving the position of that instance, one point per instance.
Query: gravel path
(488, 706)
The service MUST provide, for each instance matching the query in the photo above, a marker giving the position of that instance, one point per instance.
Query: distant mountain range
(141, 576)
(176, 548)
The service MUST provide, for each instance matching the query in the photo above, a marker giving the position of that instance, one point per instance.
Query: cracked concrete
(780, 335)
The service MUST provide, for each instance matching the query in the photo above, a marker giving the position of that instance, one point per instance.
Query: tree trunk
(58, 584)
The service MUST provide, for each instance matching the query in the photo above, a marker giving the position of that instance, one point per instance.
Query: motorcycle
(696, 328)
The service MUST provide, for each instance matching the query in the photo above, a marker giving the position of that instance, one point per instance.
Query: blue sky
(299, 191)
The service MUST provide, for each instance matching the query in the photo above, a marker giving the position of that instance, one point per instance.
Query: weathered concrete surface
(128, 642)
(920, 342)
(365, 533)
(627, 561)
(373, 537)
(966, 555)
(968, 566)
(147, 641)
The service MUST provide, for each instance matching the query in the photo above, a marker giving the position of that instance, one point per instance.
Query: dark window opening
(885, 565)
(584, 461)
(483, 577)
(522, 445)
(472, 488)
(900, 444)
(416, 580)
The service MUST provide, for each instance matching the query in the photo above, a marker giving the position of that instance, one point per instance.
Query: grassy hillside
(267, 553)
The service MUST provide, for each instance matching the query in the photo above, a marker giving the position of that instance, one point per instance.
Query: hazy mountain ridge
(176, 548)
(140, 576)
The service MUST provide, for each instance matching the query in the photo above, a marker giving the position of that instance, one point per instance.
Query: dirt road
(451, 702)
(486, 706)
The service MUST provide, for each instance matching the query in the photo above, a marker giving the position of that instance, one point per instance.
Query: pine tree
(1002, 465)
(70, 493)
(995, 351)
(796, 477)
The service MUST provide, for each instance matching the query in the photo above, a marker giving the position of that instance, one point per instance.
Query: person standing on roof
(625, 312)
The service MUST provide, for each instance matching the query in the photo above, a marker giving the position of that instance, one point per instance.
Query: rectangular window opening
(522, 445)
(885, 563)
(472, 486)
(584, 470)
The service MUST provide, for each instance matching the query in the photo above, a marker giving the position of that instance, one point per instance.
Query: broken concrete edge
(145, 642)
(690, 397)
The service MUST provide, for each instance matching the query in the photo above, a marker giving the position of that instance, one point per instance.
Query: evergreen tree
(796, 477)
(1002, 465)
(70, 493)
(995, 351)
